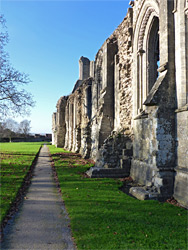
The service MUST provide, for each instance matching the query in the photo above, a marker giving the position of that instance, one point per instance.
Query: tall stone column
(67, 125)
(54, 129)
(181, 42)
(85, 148)
(95, 120)
(103, 95)
(84, 67)
(71, 120)
(116, 94)
(107, 92)
(60, 122)
(74, 123)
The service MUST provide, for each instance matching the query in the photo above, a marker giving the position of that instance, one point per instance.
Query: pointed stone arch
(145, 53)
(153, 54)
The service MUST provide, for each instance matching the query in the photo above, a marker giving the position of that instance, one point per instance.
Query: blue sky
(47, 38)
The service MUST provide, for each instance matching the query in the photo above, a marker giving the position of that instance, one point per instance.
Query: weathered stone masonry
(129, 109)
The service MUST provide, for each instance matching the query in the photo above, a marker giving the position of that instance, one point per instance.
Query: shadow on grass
(14, 154)
(103, 217)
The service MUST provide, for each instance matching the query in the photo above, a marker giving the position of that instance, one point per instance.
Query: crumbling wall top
(62, 101)
(84, 68)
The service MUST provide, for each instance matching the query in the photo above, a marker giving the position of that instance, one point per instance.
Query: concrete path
(42, 222)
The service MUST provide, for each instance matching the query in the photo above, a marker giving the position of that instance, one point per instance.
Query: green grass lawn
(103, 217)
(16, 159)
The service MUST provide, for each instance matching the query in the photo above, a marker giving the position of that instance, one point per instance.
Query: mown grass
(103, 217)
(16, 159)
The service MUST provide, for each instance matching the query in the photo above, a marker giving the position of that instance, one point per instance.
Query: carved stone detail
(175, 5)
(143, 27)
(186, 8)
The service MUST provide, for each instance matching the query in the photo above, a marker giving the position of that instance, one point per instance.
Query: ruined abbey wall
(129, 108)
(123, 73)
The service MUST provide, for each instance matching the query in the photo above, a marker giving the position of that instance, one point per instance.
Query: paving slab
(42, 222)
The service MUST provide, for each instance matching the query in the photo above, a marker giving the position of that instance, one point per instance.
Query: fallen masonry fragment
(129, 109)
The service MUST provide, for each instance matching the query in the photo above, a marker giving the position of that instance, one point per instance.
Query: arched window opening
(99, 77)
(153, 55)
(88, 101)
(148, 57)
(140, 85)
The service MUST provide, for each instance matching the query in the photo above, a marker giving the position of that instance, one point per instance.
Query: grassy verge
(103, 217)
(16, 160)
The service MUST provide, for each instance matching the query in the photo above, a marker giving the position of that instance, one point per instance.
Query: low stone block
(95, 172)
(142, 194)
(139, 193)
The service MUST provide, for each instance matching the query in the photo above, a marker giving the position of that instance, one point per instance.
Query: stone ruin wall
(58, 123)
(89, 121)
(123, 74)
(116, 152)
(85, 148)
(103, 99)
(159, 80)
(77, 119)
(123, 114)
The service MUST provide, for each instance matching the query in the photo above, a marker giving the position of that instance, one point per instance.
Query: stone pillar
(103, 95)
(69, 121)
(107, 92)
(54, 129)
(79, 121)
(60, 122)
(74, 124)
(85, 148)
(67, 125)
(71, 117)
(97, 81)
(116, 94)
(84, 67)
(181, 41)
(92, 64)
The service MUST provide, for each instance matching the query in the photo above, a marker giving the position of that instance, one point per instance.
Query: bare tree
(9, 128)
(24, 127)
(14, 99)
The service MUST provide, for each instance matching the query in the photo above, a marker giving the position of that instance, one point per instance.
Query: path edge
(55, 176)
(20, 195)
